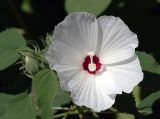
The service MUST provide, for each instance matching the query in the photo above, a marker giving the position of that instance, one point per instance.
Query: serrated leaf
(124, 116)
(4, 99)
(137, 94)
(92, 6)
(140, 93)
(145, 105)
(10, 41)
(21, 107)
(148, 63)
(45, 84)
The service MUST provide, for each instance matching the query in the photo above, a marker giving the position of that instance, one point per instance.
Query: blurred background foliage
(36, 18)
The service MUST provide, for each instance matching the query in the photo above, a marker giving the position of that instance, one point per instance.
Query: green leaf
(124, 116)
(45, 84)
(137, 95)
(10, 41)
(21, 107)
(148, 63)
(26, 7)
(145, 106)
(93, 6)
(4, 99)
(61, 98)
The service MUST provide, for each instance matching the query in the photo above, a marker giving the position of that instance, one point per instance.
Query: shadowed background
(142, 17)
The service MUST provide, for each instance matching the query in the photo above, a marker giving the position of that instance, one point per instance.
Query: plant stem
(145, 111)
(75, 112)
(60, 108)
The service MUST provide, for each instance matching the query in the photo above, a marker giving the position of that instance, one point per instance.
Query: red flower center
(91, 64)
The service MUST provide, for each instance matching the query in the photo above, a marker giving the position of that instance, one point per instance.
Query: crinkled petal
(118, 42)
(126, 75)
(62, 54)
(79, 30)
(73, 38)
(86, 92)
(65, 74)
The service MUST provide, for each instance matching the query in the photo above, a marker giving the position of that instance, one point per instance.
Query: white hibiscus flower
(94, 59)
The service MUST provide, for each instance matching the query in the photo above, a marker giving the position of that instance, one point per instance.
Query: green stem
(76, 112)
(145, 111)
(65, 114)
(113, 109)
(60, 108)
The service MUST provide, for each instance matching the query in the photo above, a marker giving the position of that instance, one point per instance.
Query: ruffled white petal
(126, 75)
(79, 30)
(118, 42)
(62, 54)
(86, 92)
(73, 38)
(65, 75)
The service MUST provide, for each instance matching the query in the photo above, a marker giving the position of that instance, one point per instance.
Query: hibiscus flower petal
(86, 92)
(65, 76)
(118, 42)
(62, 54)
(79, 30)
(105, 82)
(126, 75)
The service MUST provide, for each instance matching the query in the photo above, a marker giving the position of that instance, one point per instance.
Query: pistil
(91, 63)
